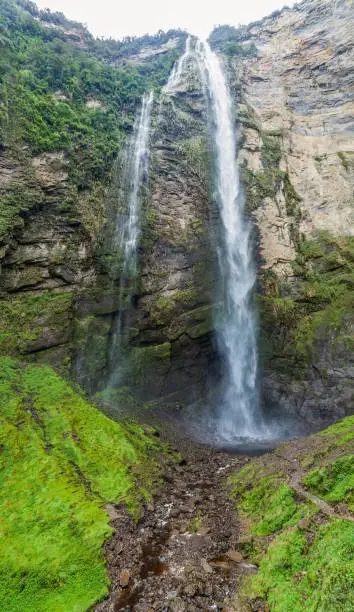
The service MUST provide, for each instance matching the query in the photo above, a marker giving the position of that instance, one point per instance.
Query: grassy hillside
(297, 510)
(61, 460)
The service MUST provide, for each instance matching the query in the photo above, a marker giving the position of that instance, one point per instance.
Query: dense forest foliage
(50, 69)
(231, 41)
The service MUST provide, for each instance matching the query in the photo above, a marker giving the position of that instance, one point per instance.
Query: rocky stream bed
(183, 554)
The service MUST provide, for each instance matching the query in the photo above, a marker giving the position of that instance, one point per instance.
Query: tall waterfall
(127, 225)
(136, 168)
(239, 413)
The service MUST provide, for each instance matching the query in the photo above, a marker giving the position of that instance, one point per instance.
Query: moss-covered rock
(298, 318)
(61, 461)
(31, 323)
(304, 557)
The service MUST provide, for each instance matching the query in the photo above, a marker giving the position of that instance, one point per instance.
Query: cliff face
(299, 89)
(296, 115)
(177, 264)
(168, 349)
(292, 79)
(68, 106)
(293, 85)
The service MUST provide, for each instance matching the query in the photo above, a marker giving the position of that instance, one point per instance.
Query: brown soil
(176, 557)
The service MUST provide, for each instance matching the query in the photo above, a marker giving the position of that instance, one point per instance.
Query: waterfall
(127, 226)
(175, 76)
(239, 413)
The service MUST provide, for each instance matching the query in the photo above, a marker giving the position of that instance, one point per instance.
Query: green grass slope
(305, 555)
(61, 460)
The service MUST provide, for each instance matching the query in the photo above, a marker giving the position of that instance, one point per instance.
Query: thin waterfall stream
(178, 68)
(128, 227)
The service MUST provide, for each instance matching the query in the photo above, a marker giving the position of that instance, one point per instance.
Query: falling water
(127, 230)
(128, 225)
(239, 414)
(178, 68)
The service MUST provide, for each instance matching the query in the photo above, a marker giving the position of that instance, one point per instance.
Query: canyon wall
(292, 80)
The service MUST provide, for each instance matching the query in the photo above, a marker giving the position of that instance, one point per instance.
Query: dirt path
(295, 483)
(182, 555)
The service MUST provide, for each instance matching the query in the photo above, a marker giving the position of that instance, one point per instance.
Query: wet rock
(206, 567)
(124, 578)
(235, 556)
(177, 605)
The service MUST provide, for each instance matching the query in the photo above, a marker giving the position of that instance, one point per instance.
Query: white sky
(118, 18)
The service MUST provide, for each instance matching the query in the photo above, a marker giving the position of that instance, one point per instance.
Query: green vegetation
(260, 185)
(18, 196)
(164, 306)
(344, 160)
(144, 363)
(59, 93)
(305, 559)
(195, 151)
(315, 572)
(195, 524)
(24, 320)
(61, 461)
(270, 151)
(232, 41)
(319, 310)
(265, 183)
(269, 504)
(334, 482)
(226, 33)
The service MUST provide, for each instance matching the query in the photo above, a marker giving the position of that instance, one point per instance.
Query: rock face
(177, 263)
(295, 102)
(292, 79)
(169, 329)
(59, 136)
(47, 257)
(300, 89)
